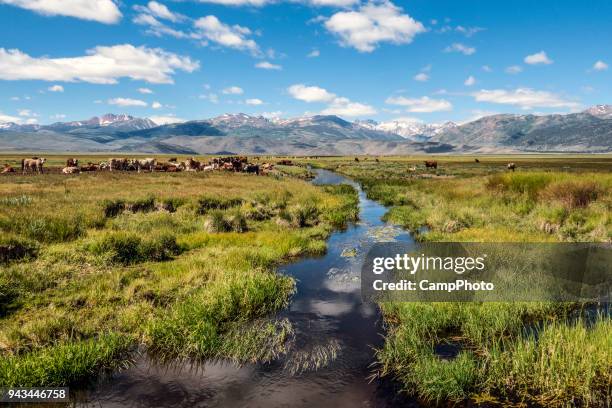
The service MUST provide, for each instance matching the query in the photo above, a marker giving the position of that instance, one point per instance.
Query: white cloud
(159, 10)
(344, 107)
(259, 3)
(254, 102)
(468, 31)
(233, 90)
(157, 105)
(469, 81)
(145, 91)
(103, 11)
(211, 29)
(600, 66)
(101, 65)
(538, 58)
(126, 102)
(268, 65)
(310, 93)
(462, 48)
(421, 77)
(165, 120)
(26, 113)
(314, 54)
(514, 69)
(424, 104)
(210, 97)
(156, 27)
(337, 105)
(56, 88)
(372, 24)
(525, 98)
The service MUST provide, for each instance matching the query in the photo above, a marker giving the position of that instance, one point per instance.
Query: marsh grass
(524, 353)
(130, 254)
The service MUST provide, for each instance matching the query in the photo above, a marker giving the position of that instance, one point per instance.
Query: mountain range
(589, 131)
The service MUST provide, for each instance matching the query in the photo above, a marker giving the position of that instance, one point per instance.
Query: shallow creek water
(329, 319)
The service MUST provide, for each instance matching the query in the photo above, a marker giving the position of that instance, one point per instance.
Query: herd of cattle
(235, 164)
(232, 163)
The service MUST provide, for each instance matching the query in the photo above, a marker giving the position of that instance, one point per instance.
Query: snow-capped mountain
(600, 111)
(122, 122)
(413, 130)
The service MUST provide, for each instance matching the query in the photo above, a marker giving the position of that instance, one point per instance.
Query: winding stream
(328, 318)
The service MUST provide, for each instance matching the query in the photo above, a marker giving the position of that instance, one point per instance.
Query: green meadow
(97, 266)
(539, 354)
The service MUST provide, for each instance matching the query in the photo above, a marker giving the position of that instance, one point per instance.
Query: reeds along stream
(328, 358)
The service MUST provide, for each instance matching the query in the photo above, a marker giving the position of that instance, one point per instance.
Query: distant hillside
(587, 131)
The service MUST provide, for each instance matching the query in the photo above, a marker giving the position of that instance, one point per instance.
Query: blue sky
(425, 60)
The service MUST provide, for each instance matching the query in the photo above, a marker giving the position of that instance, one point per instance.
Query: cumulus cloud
(525, 98)
(101, 65)
(145, 91)
(56, 88)
(25, 117)
(469, 81)
(538, 58)
(421, 77)
(337, 105)
(157, 105)
(268, 65)
(424, 104)
(160, 11)
(514, 69)
(310, 93)
(156, 27)
(462, 48)
(233, 90)
(103, 11)
(211, 29)
(254, 101)
(165, 120)
(371, 24)
(126, 102)
(344, 107)
(600, 66)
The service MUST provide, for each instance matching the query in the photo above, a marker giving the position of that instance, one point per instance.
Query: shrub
(15, 248)
(572, 194)
(205, 204)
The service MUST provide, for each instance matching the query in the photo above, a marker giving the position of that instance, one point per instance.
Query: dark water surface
(329, 320)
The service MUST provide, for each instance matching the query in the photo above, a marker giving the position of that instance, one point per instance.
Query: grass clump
(65, 364)
(572, 194)
(208, 203)
(128, 248)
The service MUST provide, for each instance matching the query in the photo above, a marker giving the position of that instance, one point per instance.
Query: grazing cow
(8, 169)
(227, 166)
(476, 161)
(71, 170)
(210, 167)
(511, 166)
(72, 162)
(377, 160)
(90, 167)
(356, 159)
(251, 168)
(117, 164)
(285, 162)
(35, 164)
(147, 164)
(191, 164)
(431, 164)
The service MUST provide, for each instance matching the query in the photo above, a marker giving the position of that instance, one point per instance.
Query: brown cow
(71, 162)
(33, 164)
(191, 164)
(511, 166)
(431, 164)
(117, 164)
(476, 161)
(8, 169)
